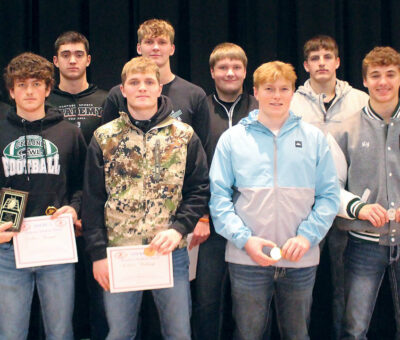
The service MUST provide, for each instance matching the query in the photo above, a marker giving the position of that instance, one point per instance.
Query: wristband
(204, 219)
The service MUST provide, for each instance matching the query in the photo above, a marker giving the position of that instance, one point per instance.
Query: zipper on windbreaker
(230, 112)
(275, 163)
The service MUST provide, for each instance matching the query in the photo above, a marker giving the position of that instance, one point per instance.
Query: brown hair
(380, 56)
(140, 65)
(320, 42)
(71, 37)
(29, 65)
(270, 72)
(154, 28)
(227, 50)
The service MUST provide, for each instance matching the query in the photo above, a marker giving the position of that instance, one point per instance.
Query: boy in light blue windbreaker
(273, 184)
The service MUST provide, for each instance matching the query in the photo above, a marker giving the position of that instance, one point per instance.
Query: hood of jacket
(52, 117)
(341, 89)
(90, 90)
(252, 121)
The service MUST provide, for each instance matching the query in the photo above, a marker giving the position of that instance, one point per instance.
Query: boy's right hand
(254, 248)
(6, 236)
(100, 273)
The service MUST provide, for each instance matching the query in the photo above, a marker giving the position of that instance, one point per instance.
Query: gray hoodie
(310, 105)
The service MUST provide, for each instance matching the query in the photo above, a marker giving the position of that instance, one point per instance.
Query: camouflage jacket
(144, 176)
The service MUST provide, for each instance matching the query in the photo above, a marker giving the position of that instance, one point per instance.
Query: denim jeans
(252, 290)
(209, 288)
(173, 305)
(336, 241)
(365, 266)
(55, 286)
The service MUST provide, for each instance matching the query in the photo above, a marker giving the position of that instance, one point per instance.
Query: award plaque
(12, 207)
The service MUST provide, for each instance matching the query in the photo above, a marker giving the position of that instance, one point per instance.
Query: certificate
(130, 269)
(44, 241)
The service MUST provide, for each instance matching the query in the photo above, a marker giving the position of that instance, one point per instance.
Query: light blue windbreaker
(274, 187)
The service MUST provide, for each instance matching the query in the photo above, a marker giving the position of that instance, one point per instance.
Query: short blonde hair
(227, 50)
(380, 56)
(154, 28)
(140, 65)
(270, 72)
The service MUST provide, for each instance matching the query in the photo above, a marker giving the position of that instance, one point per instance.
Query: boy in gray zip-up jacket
(370, 142)
(325, 101)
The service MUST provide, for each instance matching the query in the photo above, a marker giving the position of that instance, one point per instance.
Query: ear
(48, 90)
(139, 49)
(212, 72)
(172, 50)
(121, 87)
(255, 92)
(305, 64)
(12, 95)
(55, 61)
(89, 60)
(365, 82)
(337, 62)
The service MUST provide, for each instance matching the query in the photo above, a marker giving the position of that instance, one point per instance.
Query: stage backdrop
(266, 29)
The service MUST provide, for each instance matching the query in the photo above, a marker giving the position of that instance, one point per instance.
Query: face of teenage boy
(383, 83)
(72, 61)
(229, 75)
(322, 65)
(157, 48)
(29, 95)
(274, 98)
(141, 91)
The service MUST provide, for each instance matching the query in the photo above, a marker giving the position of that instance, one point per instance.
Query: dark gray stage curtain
(267, 30)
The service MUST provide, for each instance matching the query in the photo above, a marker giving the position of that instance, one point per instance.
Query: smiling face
(274, 98)
(383, 83)
(141, 91)
(322, 65)
(29, 95)
(229, 75)
(158, 49)
(72, 61)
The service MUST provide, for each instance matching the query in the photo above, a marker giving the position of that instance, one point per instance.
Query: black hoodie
(84, 109)
(55, 152)
(195, 190)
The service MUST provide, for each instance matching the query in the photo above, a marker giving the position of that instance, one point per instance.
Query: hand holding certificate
(45, 240)
(130, 269)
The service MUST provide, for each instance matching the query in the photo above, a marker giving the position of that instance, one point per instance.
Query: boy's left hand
(166, 241)
(295, 248)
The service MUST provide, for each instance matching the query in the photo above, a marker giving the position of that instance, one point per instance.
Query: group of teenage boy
(286, 169)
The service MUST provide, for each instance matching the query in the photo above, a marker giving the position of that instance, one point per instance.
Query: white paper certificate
(45, 241)
(130, 269)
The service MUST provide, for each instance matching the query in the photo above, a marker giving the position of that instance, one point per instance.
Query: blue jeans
(173, 305)
(365, 266)
(209, 288)
(55, 286)
(252, 290)
(336, 241)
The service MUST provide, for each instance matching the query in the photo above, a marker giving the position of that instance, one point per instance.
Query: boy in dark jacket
(44, 155)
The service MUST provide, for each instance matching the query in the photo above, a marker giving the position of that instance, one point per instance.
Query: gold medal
(149, 251)
(50, 210)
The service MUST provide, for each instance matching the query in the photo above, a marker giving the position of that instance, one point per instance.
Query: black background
(266, 29)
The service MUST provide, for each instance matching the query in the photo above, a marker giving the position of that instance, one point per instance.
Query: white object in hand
(391, 214)
(275, 253)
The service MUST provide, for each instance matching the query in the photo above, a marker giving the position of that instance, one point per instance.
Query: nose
(72, 59)
(230, 72)
(155, 46)
(277, 93)
(142, 86)
(382, 80)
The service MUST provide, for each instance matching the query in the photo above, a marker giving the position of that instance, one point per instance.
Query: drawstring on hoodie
(43, 145)
(26, 150)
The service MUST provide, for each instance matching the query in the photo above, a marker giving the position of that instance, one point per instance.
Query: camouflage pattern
(144, 177)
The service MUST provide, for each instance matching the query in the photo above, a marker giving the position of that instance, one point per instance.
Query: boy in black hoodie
(81, 103)
(146, 182)
(44, 155)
